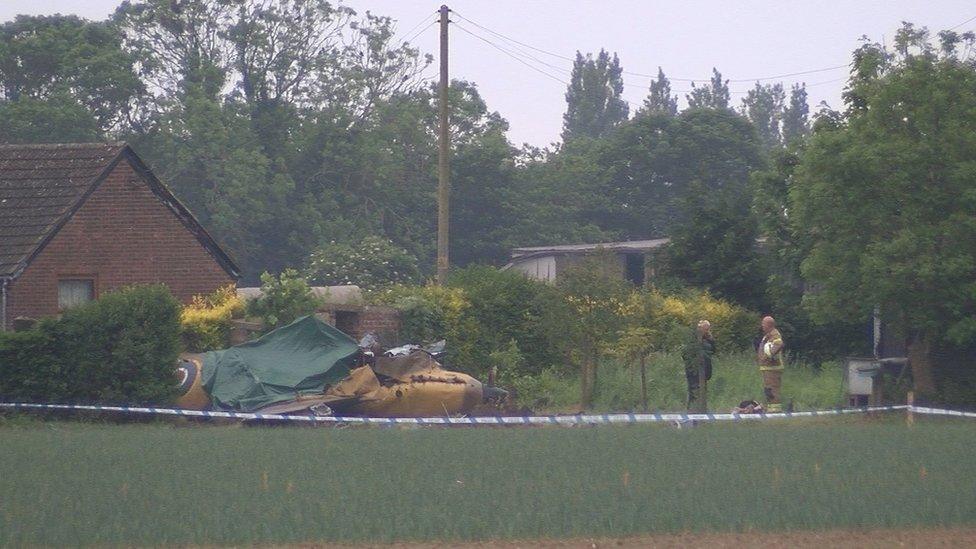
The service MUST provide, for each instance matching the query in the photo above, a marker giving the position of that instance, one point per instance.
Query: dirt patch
(927, 538)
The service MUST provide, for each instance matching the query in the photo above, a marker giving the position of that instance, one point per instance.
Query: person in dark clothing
(697, 357)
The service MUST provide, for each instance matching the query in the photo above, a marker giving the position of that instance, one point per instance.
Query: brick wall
(381, 320)
(123, 234)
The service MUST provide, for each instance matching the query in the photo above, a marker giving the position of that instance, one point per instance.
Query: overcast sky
(745, 40)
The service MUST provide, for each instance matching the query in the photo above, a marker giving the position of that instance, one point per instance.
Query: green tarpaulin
(298, 359)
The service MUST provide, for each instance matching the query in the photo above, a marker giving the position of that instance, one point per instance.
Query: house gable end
(182, 213)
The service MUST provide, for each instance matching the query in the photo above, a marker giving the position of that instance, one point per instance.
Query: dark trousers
(696, 402)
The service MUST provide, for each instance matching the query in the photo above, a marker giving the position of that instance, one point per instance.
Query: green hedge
(121, 348)
(483, 312)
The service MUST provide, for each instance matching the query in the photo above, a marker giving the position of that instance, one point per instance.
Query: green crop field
(70, 483)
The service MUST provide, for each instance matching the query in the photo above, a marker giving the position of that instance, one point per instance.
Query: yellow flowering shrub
(656, 322)
(206, 321)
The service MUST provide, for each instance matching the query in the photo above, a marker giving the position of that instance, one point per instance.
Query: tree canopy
(64, 78)
(660, 100)
(593, 98)
(300, 131)
(886, 198)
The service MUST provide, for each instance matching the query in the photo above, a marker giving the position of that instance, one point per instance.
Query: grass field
(735, 378)
(70, 483)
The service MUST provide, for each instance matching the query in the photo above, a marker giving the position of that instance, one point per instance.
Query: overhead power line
(831, 81)
(527, 64)
(527, 59)
(415, 27)
(513, 56)
(418, 33)
(973, 18)
(645, 75)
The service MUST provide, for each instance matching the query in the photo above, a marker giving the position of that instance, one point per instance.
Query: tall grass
(735, 378)
(82, 484)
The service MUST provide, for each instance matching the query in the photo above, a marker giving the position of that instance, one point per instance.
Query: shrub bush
(206, 322)
(372, 263)
(670, 317)
(29, 368)
(284, 298)
(430, 313)
(483, 311)
(511, 312)
(121, 348)
(492, 317)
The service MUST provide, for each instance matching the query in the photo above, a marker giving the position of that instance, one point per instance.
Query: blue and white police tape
(578, 419)
(940, 411)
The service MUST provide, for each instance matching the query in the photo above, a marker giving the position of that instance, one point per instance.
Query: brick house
(77, 220)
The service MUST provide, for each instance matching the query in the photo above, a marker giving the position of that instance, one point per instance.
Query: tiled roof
(40, 185)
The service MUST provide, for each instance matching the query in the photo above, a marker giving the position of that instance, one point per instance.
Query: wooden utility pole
(443, 168)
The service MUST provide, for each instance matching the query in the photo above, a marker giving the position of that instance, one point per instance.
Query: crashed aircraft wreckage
(311, 366)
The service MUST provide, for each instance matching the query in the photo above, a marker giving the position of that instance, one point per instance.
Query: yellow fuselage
(430, 393)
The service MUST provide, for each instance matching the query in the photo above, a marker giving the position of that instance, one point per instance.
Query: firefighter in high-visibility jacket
(770, 359)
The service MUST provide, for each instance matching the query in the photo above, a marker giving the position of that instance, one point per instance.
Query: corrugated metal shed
(637, 246)
(545, 262)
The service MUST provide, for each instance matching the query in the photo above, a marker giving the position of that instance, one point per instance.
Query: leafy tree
(654, 163)
(557, 197)
(484, 191)
(795, 116)
(660, 100)
(596, 293)
(593, 99)
(886, 199)
(763, 106)
(714, 95)
(266, 117)
(783, 250)
(704, 165)
(55, 119)
(717, 148)
(715, 248)
(63, 78)
(633, 183)
(636, 191)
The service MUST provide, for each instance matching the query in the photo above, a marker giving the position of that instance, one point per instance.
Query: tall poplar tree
(714, 95)
(796, 123)
(763, 106)
(660, 100)
(593, 98)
